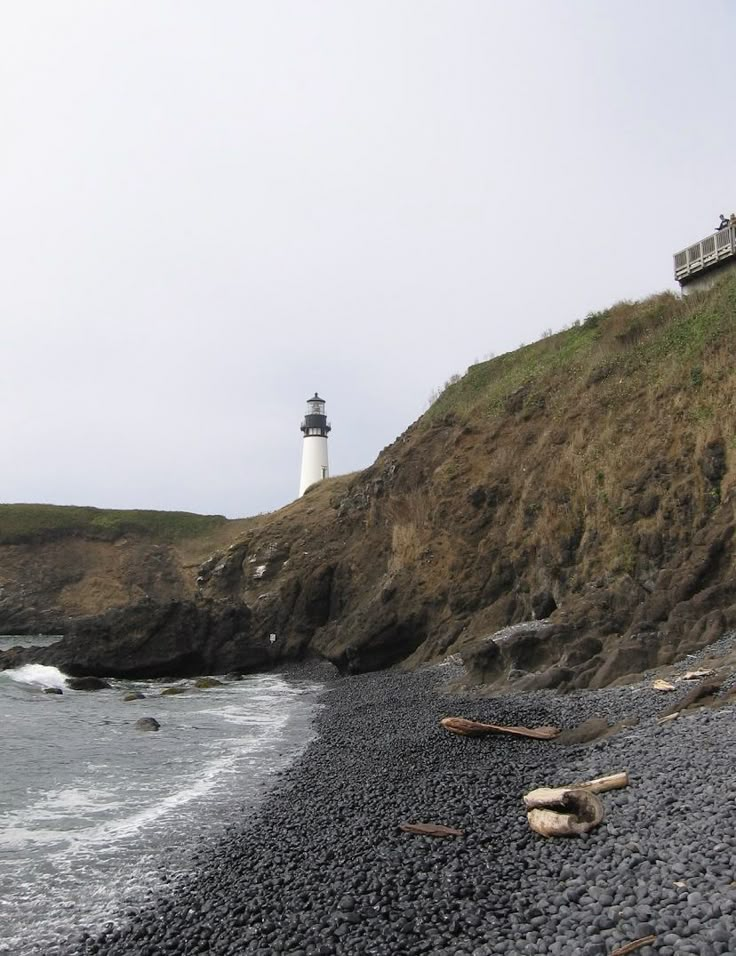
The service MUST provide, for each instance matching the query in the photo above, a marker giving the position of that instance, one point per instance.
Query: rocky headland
(561, 517)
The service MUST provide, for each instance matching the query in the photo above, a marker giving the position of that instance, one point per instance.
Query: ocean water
(96, 816)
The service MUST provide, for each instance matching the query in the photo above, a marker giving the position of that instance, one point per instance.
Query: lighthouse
(315, 429)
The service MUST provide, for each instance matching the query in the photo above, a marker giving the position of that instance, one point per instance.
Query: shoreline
(96, 819)
(321, 867)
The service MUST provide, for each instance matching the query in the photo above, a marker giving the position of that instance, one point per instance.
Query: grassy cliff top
(20, 523)
(653, 342)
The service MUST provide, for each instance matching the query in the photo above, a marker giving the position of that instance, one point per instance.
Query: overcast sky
(209, 209)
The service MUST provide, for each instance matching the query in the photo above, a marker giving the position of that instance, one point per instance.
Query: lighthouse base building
(315, 428)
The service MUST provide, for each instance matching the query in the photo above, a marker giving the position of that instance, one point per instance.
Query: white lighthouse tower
(315, 429)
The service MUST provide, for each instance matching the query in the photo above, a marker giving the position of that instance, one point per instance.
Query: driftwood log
(473, 728)
(568, 811)
(430, 829)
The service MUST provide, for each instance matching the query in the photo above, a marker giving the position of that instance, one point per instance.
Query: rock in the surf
(87, 683)
(147, 723)
(134, 695)
(53, 690)
(204, 682)
(172, 691)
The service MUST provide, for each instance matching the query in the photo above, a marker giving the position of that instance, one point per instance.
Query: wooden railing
(709, 251)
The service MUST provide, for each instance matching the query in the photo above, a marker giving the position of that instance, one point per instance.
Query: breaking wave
(36, 675)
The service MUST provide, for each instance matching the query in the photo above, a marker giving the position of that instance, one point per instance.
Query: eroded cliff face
(586, 482)
(435, 549)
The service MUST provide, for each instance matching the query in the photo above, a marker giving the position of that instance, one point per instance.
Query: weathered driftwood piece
(430, 829)
(663, 720)
(473, 728)
(634, 945)
(563, 812)
(663, 685)
(566, 811)
(544, 796)
(614, 781)
(697, 675)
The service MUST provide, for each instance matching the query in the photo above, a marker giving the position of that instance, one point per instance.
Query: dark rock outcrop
(180, 639)
(87, 683)
(519, 649)
(147, 723)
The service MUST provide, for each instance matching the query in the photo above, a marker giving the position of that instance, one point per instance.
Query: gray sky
(211, 209)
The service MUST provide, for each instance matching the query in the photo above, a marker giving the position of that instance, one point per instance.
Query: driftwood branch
(634, 945)
(543, 796)
(430, 829)
(614, 781)
(474, 728)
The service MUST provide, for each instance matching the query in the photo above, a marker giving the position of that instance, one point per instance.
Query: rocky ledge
(150, 639)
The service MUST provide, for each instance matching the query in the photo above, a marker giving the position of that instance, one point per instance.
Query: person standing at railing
(732, 219)
(723, 224)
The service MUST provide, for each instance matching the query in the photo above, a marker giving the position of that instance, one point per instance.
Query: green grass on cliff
(657, 339)
(21, 523)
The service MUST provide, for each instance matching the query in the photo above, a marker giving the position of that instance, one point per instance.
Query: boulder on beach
(204, 682)
(87, 683)
(147, 723)
(171, 691)
(134, 695)
(53, 690)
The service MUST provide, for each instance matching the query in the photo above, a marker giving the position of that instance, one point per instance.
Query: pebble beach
(322, 868)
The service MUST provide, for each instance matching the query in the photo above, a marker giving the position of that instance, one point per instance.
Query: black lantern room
(315, 421)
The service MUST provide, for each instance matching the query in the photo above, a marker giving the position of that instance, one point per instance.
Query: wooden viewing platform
(707, 258)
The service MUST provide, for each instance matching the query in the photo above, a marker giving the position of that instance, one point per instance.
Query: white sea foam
(54, 805)
(119, 829)
(38, 675)
(111, 831)
(233, 714)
